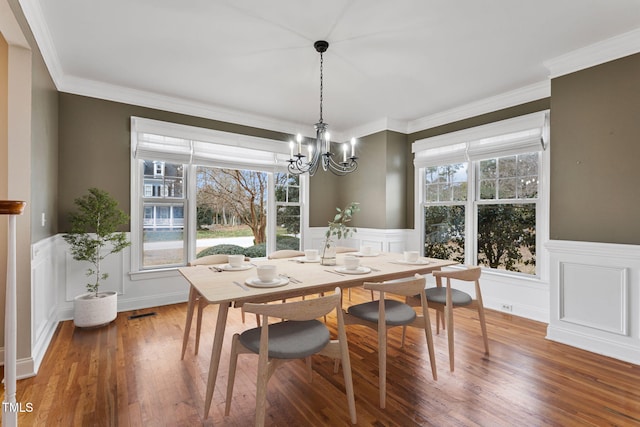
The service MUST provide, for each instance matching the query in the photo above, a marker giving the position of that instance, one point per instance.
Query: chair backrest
(469, 274)
(285, 253)
(307, 309)
(212, 259)
(407, 287)
(345, 249)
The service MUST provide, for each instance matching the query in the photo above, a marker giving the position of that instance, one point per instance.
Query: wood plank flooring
(130, 374)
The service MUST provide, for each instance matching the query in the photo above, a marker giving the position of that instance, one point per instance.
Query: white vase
(91, 311)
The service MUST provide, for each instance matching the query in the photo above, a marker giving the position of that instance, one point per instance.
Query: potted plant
(338, 230)
(94, 236)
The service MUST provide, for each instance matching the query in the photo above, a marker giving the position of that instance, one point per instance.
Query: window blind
(512, 136)
(155, 140)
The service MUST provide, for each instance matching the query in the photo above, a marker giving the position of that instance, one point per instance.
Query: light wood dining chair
(202, 302)
(445, 299)
(345, 249)
(384, 314)
(299, 337)
(285, 253)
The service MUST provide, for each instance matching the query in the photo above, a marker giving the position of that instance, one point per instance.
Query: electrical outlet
(507, 307)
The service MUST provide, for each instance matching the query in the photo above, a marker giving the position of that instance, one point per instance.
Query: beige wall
(4, 147)
(95, 146)
(18, 157)
(595, 137)
(379, 185)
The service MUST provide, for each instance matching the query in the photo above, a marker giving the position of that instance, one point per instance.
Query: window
(288, 211)
(481, 200)
(199, 190)
(444, 211)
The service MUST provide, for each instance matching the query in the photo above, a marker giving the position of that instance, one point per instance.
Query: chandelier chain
(321, 84)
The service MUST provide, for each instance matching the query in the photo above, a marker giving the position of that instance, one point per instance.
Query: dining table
(227, 286)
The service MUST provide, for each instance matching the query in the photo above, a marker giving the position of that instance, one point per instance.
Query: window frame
(189, 155)
(454, 148)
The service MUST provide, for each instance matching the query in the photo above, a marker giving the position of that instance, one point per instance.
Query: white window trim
(280, 150)
(461, 141)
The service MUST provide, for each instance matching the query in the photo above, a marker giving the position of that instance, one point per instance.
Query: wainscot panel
(595, 297)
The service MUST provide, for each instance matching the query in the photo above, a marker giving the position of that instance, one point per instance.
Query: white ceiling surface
(253, 61)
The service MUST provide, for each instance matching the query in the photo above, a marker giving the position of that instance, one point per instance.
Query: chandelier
(319, 151)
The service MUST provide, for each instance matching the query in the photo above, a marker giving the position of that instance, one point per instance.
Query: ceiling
(392, 63)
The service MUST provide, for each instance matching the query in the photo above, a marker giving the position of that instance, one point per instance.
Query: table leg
(216, 351)
(187, 326)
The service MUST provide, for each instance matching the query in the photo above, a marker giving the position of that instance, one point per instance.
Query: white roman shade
(155, 140)
(512, 136)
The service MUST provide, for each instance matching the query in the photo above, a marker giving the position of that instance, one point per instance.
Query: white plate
(359, 270)
(366, 255)
(418, 262)
(257, 283)
(229, 267)
(305, 259)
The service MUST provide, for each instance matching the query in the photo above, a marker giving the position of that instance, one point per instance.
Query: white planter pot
(90, 311)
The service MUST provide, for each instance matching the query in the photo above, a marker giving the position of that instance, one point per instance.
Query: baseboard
(25, 368)
(591, 343)
(42, 343)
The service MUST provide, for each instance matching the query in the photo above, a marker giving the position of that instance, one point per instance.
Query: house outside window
(195, 189)
(482, 201)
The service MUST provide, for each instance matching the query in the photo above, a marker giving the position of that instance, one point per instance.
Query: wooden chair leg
(449, 326)
(430, 346)
(261, 393)
(483, 326)
(309, 364)
(382, 364)
(404, 334)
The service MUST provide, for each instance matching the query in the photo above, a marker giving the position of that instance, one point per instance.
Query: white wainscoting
(379, 240)
(595, 298)
(135, 292)
(44, 318)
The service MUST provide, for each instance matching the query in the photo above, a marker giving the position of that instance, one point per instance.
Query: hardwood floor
(130, 374)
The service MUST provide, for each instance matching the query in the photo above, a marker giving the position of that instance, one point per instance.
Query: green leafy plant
(94, 232)
(338, 228)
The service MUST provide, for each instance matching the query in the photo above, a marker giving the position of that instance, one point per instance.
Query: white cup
(266, 273)
(411, 256)
(366, 250)
(351, 262)
(311, 254)
(236, 260)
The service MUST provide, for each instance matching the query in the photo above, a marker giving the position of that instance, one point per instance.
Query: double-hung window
(194, 189)
(483, 199)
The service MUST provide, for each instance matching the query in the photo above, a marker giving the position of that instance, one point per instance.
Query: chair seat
(396, 312)
(290, 339)
(439, 295)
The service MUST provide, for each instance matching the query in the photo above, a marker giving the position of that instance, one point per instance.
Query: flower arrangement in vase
(337, 230)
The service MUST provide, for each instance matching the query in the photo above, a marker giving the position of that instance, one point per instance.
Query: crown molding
(147, 99)
(35, 19)
(598, 53)
(385, 124)
(505, 100)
